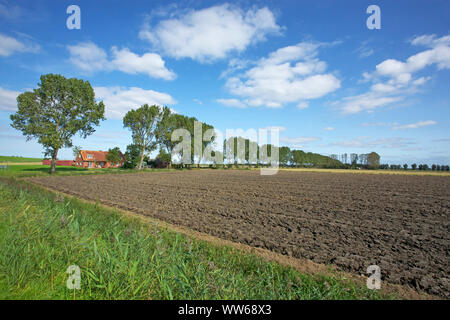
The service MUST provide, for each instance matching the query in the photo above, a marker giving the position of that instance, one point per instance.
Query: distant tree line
(372, 161)
(353, 160)
(414, 166)
(287, 157)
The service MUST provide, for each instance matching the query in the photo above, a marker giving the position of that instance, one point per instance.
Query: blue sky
(311, 68)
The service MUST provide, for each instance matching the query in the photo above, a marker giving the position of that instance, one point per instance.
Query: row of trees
(372, 160)
(287, 157)
(60, 108)
(414, 166)
(354, 160)
(152, 127)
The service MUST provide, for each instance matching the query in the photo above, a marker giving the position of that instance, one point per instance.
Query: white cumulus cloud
(8, 99)
(232, 103)
(119, 100)
(393, 80)
(291, 74)
(10, 45)
(90, 58)
(211, 33)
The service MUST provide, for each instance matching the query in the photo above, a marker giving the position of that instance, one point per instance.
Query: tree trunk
(53, 165)
(141, 159)
(169, 165)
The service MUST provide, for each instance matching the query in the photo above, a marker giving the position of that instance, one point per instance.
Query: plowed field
(398, 222)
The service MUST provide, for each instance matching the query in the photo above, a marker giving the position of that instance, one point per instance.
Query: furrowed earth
(398, 222)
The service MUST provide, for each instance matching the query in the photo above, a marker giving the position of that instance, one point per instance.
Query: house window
(90, 156)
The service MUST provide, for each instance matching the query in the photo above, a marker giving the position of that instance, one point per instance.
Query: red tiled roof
(99, 156)
(96, 155)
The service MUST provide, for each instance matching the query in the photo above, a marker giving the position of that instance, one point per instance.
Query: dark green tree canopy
(57, 110)
(373, 160)
(143, 123)
(114, 155)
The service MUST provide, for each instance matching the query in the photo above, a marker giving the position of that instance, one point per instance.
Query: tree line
(60, 108)
(369, 161)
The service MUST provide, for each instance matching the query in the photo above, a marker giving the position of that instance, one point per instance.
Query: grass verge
(42, 234)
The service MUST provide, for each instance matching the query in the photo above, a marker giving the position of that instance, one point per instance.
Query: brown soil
(400, 223)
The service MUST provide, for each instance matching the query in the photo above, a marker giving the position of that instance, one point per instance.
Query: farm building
(68, 163)
(96, 159)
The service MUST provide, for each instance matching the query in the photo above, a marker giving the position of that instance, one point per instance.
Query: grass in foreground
(42, 234)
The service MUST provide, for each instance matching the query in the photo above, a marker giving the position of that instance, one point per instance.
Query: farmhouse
(96, 159)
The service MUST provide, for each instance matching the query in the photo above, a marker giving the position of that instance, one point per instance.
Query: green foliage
(167, 124)
(114, 155)
(76, 151)
(57, 110)
(132, 156)
(178, 121)
(309, 159)
(373, 160)
(143, 122)
(266, 151)
(163, 156)
(231, 146)
(124, 258)
(285, 156)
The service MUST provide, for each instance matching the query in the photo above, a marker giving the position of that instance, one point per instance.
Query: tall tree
(353, 159)
(298, 157)
(57, 110)
(285, 156)
(167, 124)
(132, 156)
(373, 160)
(143, 122)
(114, 155)
(76, 151)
